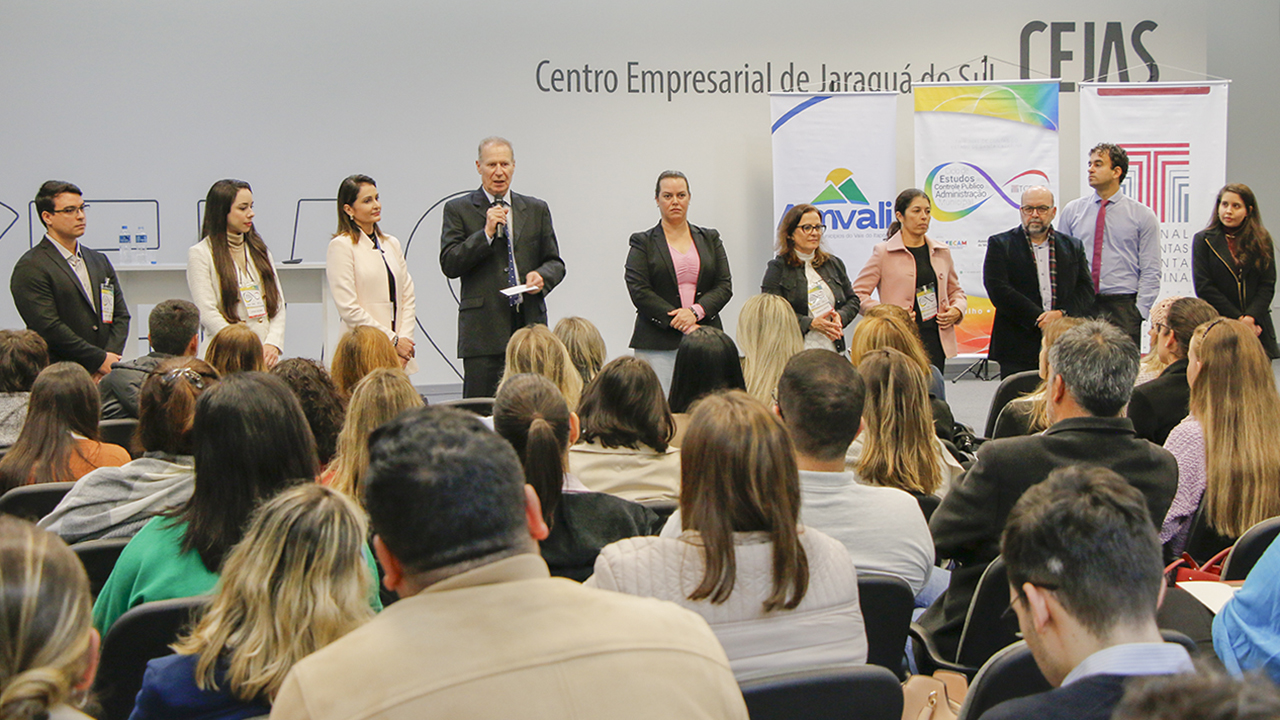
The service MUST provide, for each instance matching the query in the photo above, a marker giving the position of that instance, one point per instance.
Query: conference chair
(864, 692)
(988, 627)
(120, 432)
(99, 559)
(1249, 549)
(887, 603)
(32, 502)
(1203, 542)
(480, 406)
(1010, 673)
(141, 634)
(1014, 386)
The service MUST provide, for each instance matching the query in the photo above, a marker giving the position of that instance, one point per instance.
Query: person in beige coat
(482, 630)
(368, 277)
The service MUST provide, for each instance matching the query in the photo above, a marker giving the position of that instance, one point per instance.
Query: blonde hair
(295, 583)
(899, 447)
(380, 396)
(1234, 397)
(585, 345)
(890, 327)
(768, 334)
(360, 351)
(235, 349)
(1039, 398)
(45, 620)
(1151, 365)
(535, 349)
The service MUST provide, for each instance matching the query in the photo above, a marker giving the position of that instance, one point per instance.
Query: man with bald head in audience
(482, 630)
(1091, 372)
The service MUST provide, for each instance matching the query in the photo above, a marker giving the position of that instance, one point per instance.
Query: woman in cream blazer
(368, 276)
(246, 270)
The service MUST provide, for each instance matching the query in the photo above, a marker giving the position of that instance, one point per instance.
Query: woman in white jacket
(779, 596)
(368, 276)
(231, 274)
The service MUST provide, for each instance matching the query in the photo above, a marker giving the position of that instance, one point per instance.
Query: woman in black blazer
(678, 278)
(1233, 263)
(812, 280)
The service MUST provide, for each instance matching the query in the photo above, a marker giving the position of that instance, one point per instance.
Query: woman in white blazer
(368, 277)
(231, 274)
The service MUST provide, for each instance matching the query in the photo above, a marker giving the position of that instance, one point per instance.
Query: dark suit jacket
(966, 527)
(1089, 698)
(485, 315)
(1009, 272)
(1230, 291)
(1158, 405)
(789, 281)
(651, 281)
(52, 302)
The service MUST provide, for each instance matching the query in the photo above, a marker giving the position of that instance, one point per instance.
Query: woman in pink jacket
(916, 272)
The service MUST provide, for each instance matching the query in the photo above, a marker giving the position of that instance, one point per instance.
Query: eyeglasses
(1036, 209)
(812, 228)
(72, 210)
(1009, 611)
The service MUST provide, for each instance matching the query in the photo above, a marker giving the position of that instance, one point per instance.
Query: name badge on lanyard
(107, 296)
(251, 293)
(927, 300)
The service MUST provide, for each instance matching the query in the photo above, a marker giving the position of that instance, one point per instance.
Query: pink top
(687, 267)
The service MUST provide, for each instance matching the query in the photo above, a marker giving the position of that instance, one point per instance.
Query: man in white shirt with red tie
(1121, 239)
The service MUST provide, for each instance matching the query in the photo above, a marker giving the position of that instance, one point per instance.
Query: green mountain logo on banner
(841, 189)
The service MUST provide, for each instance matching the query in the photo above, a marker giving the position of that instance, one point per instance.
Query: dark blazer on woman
(651, 281)
(1157, 406)
(1231, 291)
(789, 282)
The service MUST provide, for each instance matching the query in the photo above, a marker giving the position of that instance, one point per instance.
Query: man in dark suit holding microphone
(495, 241)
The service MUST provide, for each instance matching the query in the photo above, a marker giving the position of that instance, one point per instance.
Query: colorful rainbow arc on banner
(1031, 103)
(949, 215)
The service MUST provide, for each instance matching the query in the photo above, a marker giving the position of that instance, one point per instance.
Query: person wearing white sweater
(231, 273)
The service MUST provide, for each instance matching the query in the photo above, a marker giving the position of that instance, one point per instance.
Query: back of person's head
(535, 349)
(707, 361)
(235, 349)
(23, 354)
(359, 352)
(383, 394)
(1152, 364)
(172, 325)
(1040, 397)
(323, 405)
(888, 328)
(295, 583)
(1206, 694)
(1184, 316)
(624, 407)
(768, 335)
(821, 396)
(251, 441)
(444, 491)
(1097, 363)
(899, 446)
(585, 345)
(1233, 396)
(531, 414)
(167, 404)
(738, 474)
(46, 630)
(64, 400)
(1085, 534)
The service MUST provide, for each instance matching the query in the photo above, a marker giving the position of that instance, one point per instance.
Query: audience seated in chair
(295, 583)
(706, 361)
(1157, 406)
(780, 596)
(585, 345)
(59, 441)
(383, 394)
(1207, 694)
(324, 407)
(1029, 414)
(360, 351)
(23, 354)
(768, 336)
(531, 414)
(535, 349)
(173, 330)
(1151, 366)
(115, 502)
(1246, 631)
(235, 349)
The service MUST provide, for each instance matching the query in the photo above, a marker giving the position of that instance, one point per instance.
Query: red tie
(1097, 243)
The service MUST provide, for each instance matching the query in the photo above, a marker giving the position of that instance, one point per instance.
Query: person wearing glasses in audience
(812, 279)
(231, 274)
(368, 277)
(1034, 275)
(917, 273)
(69, 293)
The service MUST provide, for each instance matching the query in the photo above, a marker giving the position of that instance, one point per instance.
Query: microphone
(501, 230)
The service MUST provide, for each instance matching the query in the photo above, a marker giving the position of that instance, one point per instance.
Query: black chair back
(32, 502)
(865, 692)
(141, 634)
(1203, 542)
(988, 627)
(1014, 386)
(886, 603)
(1249, 549)
(120, 432)
(479, 406)
(99, 559)
(1010, 673)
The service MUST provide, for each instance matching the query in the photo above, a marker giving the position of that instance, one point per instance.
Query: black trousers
(1121, 311)
(481, 375)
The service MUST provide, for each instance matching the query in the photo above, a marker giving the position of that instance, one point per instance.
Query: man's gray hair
(495, 140)
(1098, 363)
